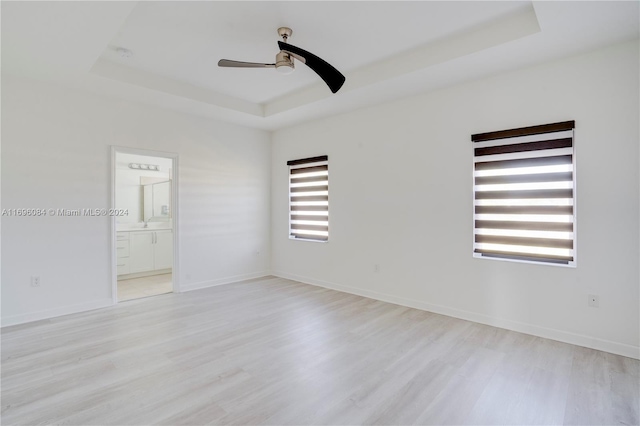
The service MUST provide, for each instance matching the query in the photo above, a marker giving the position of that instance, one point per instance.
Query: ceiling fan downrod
(284, 62)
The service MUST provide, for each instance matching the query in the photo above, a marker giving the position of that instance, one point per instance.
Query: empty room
(332, 213)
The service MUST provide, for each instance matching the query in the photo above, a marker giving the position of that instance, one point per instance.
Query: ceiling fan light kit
(285, 62)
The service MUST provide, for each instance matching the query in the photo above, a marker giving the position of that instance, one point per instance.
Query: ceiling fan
(284, 62)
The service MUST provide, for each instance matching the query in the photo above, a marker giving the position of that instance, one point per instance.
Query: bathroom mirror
(157, 201)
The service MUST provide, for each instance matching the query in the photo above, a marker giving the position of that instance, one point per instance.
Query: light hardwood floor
(274, 351)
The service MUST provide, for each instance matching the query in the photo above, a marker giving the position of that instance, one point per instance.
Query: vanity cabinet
(148, 251)
(163, 249)
(122, 252)
(141, 251)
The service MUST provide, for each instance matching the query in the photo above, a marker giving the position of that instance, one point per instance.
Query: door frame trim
(175, 207)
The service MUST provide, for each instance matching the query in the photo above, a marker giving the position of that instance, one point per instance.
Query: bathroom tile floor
(137, 288)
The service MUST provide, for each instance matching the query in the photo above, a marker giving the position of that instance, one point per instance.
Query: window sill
(531, 262)
(308, 240)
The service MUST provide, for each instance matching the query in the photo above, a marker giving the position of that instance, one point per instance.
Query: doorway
(144, 235)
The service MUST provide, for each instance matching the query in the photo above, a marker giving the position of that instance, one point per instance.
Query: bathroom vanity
(144, 250)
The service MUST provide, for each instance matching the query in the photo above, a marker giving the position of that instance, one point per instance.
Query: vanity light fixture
(139, 166)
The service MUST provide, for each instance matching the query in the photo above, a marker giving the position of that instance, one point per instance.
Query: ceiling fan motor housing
(284, 63)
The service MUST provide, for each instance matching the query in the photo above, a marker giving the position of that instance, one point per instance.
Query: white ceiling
(184, 41)
(385, 49)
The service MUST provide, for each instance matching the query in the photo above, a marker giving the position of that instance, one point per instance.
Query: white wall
(401, 196)
(56, 154)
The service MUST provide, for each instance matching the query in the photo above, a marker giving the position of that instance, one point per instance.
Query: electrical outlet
(376, 268)
(35, 281)
(594, 301)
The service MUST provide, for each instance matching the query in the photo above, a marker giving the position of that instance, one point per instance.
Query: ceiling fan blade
(326, 71)
(239, 64)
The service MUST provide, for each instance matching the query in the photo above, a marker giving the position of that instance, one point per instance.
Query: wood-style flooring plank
(275, 351)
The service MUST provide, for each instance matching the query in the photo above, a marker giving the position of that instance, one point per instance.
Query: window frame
(512, 137)
(318, 161)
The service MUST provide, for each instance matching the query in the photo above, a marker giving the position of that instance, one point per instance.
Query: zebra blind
(309, 198)
(524, 194)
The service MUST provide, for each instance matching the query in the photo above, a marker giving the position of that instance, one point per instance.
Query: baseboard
(222, 281)
(56, 312)
(548, 333)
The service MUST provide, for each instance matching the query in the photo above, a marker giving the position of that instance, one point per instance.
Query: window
(524, 192)
(309, 198)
